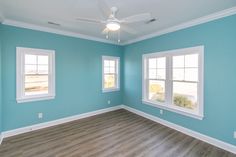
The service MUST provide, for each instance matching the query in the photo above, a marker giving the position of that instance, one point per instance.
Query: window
(173, 80)
(35, 74)
(111, 80)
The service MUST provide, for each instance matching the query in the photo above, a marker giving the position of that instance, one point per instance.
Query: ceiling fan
(112, 23)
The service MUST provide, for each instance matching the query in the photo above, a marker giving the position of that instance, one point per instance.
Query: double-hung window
(111, 76)
(173, 80)
(35, 74)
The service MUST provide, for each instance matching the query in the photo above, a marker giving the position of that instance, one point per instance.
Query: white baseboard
(26, 129)
(1, 138)
(220, 144)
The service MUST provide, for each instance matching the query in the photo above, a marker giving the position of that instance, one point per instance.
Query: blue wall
(219, 39)
(0, 79)
(78, 77)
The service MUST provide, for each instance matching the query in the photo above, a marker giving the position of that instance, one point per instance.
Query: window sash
(48, 83)
(147, 89)
(109, 67)
(115, 76)
(197, 101)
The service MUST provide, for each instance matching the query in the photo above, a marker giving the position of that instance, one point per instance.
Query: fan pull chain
(107, 36)
(119, 36)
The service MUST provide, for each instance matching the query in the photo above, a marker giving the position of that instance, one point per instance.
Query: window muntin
(35, 74)
(180, 87)
(110, 73)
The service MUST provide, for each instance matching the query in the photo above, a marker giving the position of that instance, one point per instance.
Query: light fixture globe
(113, 26)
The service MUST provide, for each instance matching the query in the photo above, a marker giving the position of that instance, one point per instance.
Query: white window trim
(168, 104)
(117, 60)
(20, 53)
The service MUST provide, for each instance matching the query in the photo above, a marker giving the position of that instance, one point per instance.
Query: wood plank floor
(114, 134)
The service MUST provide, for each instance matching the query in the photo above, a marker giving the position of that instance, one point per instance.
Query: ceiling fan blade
(89, 20)
(128, 29)
(105, 9)
(136, 18)
(105, 31)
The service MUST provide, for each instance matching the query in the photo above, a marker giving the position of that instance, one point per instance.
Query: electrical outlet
(235, 134)
(108, 102)
(161, 111)
(40, 115)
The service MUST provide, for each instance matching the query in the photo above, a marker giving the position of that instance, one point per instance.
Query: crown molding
(54, 30)
(198, 21)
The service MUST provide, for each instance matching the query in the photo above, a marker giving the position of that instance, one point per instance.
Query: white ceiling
(168, 13)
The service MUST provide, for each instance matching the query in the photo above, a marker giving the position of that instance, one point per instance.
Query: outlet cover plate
(40, 115)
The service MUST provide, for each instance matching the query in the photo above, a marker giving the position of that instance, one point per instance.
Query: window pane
(191, 60)
(112, 63)
(106, 63)
(106, 70)
(36, 88)
(178, 61)
(191, 74)
(43, 69)
(161, 62)
(109, 81)
(43, 60)
(152, 63)
(185, 95)
(30, 59)
(178, 74)
(30, 69)
(112, 69)
(161, 73)
(36, 78)
(156, 90)
(152, 73)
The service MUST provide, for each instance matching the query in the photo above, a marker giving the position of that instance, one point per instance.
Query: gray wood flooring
(114, 134)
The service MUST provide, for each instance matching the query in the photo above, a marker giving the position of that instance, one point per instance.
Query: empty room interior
(117, 78)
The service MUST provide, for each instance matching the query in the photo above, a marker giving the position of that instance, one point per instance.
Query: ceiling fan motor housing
(114, 11)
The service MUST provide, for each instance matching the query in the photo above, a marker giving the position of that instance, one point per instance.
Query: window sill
(110, 90)
(175, 109)
(23, 100)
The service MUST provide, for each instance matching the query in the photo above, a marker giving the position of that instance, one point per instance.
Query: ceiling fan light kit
(113, 26)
